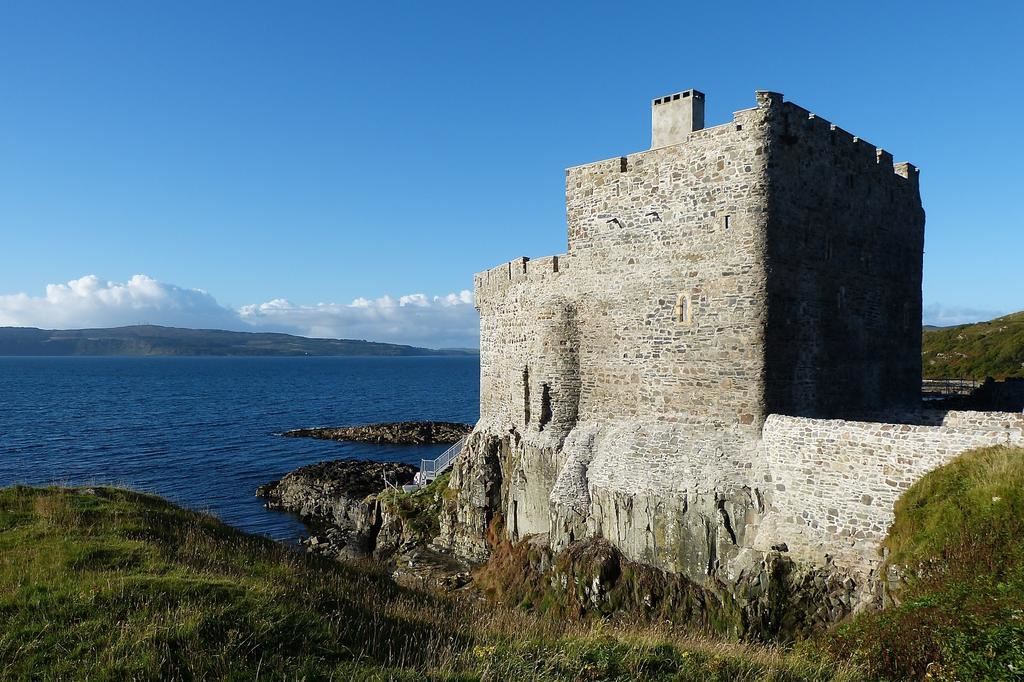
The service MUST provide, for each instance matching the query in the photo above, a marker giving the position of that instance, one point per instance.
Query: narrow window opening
(675, 98)
(739, 127)
(682, 309)
(526, 396)
(515, 519)
(545, 406)
(727, 219)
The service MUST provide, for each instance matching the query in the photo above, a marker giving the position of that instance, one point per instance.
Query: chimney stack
(674, 117)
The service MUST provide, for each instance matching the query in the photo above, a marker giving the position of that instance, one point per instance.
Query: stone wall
(833, 483)
(668, 277)
(986, 421)
(529, 367)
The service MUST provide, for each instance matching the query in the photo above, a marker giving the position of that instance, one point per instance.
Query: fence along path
(432, 468)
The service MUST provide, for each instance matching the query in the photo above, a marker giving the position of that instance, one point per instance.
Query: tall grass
(112, 584)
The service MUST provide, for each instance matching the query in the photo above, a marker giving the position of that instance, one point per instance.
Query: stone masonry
(634, 387)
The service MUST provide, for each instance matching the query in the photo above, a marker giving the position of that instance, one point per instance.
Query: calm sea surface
(201, 431)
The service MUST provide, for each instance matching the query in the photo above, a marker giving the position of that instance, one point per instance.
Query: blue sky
(289, 159)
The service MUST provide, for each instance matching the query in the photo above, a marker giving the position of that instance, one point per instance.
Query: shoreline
(389, 433)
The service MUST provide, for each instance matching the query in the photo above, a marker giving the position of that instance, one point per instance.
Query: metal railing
(934, 389)
(432, 468)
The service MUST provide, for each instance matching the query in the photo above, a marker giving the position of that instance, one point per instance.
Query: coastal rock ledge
(352, 515)
(397, 433)
(338, 496)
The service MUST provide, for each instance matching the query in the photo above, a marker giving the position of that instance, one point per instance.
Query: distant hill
(155, 340)
(975, 351)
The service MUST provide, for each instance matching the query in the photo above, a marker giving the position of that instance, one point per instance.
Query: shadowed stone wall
(845, 246)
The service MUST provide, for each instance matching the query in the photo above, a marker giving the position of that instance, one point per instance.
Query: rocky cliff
(614, 551)
(353, 514)
(340, 501)
(787, 528)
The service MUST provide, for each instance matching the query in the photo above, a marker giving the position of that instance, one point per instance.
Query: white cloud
(942, 315)
(415, 319)
(92, 302)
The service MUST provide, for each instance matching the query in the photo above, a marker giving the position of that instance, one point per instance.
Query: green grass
(975, 351)
(958, 540)
(420, 509)
(118, 585)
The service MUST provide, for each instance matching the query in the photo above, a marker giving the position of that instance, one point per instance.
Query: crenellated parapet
(491, 285)
(863, 156)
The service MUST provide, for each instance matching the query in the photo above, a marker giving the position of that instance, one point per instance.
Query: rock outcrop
(776, 600)
(697, 552)
(475, 496)
(354, 515)
(339, 499)
(398, 433)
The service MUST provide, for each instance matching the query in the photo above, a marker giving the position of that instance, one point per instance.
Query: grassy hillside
(156, 340)
(975, 351)
(110, 584)
(119, 585)
(958, 541)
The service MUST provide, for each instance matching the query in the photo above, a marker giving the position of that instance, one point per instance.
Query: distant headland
(153, 340)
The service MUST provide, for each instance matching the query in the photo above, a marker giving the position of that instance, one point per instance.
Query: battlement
(798, 122)
(741, 120)
(671, 128)
(493, 283)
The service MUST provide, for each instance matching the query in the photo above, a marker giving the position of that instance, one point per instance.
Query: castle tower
(770, 264)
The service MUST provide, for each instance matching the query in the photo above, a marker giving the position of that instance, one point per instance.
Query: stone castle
(725, 365)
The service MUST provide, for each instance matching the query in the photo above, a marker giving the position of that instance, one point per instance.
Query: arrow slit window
(683, 309)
